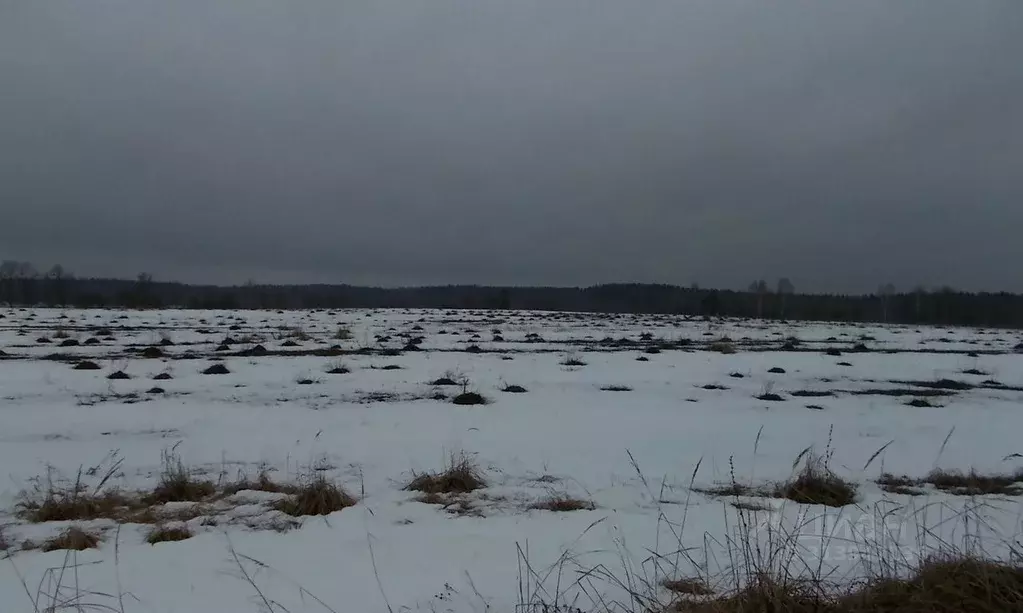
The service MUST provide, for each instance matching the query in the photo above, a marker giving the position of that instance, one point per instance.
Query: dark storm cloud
(841, 144)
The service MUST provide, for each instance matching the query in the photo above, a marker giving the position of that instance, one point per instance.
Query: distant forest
(22, 285)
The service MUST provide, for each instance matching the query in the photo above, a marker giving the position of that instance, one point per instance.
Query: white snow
(371, 428)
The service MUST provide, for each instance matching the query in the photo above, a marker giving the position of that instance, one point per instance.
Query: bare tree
(8, 271)
(760, 289)
(919, 293)
(57, 277)
(785, 287)
(26, 271)
(886, 291)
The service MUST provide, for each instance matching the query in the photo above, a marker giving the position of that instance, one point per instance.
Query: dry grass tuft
(262, 483)
(169, 534)
(562, 503)
(177, 484)
(318, 496)
(817, 484)
(461, 476)
(731, 489)
(689, 587)
(950, 585)
(73, 539)
(974, 483)
(942, 586)
(898, 484)
(73, 503)
(723, 347)
(765, 594)
(52, 500)
(748, 505)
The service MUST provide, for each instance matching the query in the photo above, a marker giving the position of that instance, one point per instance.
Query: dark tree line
(22, 285)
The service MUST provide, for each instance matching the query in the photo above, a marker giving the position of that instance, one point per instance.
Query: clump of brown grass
(689, 587)
(974, 483)
(898, 484)
(817, 484)
(951, 584)
(73, 539)
(262, 483)
(562, 503)
(317, 496)
(338, 368)
(169, 534)
(460, 476)
(722, 346)
(957, 483)
(942, 585)
(750, 506)
(59, 500)
(730, 489)
(69, 504)
(177, 484)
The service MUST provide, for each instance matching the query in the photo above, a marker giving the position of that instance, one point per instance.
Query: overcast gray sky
(841, 144)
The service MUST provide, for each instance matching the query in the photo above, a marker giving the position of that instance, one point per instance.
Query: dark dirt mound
(87, 365)
(216, 369)
(257, 350)
(469, 398)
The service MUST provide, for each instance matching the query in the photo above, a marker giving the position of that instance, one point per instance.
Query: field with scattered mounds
(464, 461)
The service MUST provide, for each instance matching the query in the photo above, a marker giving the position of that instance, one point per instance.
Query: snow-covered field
(684, 406)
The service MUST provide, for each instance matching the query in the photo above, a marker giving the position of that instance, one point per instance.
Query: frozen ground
(279, 411)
